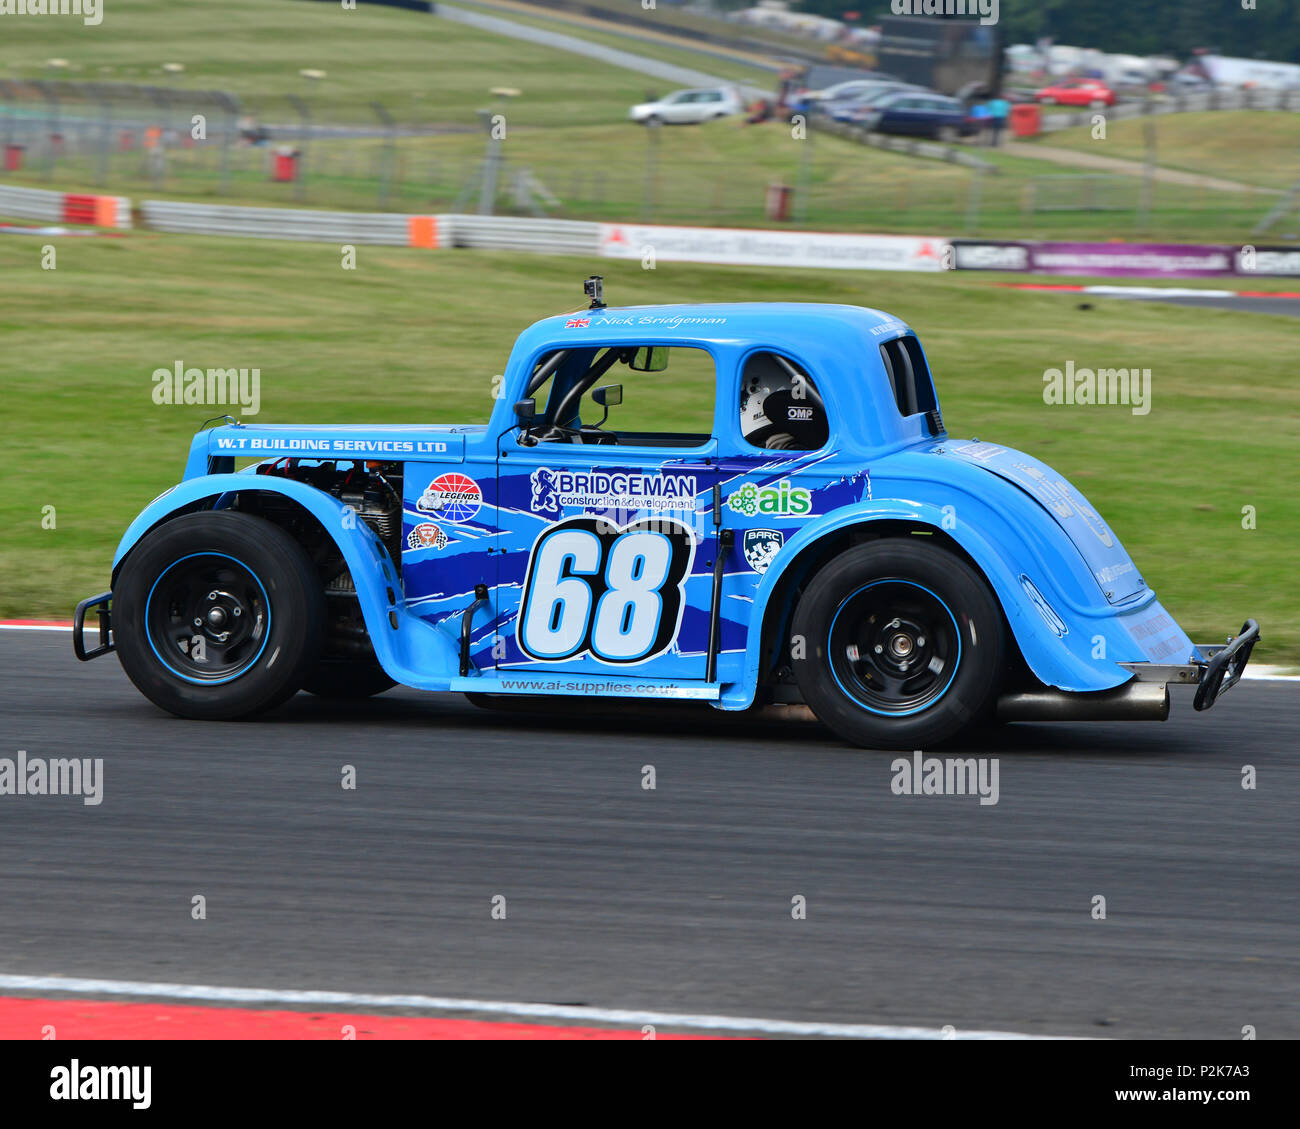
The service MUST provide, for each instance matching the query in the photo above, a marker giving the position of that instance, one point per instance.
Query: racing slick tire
(218, 615)
(347, 678)
(903, 645)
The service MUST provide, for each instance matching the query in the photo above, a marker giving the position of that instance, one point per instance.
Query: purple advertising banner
(1133, 260)
(1127, 260)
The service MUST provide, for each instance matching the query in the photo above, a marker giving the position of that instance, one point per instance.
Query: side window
(647, 396)
(780, 407)
(909, 377)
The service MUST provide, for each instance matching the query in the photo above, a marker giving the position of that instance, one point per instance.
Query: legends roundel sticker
(451, 497)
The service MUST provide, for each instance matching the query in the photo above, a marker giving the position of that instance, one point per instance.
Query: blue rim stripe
(208, 681)
(893, 713)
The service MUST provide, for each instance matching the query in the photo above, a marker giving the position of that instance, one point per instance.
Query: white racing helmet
(779, 409)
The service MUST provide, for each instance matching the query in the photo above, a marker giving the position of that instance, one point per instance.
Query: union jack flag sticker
(577, 323)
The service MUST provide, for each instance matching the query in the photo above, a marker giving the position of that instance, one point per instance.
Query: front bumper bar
(1220, 670)
(101, 605)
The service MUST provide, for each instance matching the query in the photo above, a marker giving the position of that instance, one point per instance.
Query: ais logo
(778, 500)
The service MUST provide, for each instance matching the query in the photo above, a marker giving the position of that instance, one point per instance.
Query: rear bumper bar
(1220, 670)
(101, 605)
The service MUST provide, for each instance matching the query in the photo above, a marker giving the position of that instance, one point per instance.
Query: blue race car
(793, 524)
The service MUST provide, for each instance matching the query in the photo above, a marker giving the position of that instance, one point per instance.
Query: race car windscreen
(670, 407)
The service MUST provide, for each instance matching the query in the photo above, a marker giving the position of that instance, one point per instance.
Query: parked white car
(690, 106)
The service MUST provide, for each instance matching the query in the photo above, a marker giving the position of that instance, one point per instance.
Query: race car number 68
(616, 593)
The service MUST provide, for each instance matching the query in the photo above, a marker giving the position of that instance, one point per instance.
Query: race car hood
(1111, 566)
(426, 443)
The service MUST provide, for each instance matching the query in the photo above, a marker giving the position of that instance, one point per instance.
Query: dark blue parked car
(916, 114)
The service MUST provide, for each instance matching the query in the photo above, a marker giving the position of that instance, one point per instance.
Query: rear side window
(780, 407)
(909, 377)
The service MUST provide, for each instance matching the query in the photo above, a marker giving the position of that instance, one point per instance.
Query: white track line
(1258, 671)
(584, 1015)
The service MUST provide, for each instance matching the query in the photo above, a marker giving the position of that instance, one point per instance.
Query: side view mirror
(525, 411)
(607, 396)
(649, 360)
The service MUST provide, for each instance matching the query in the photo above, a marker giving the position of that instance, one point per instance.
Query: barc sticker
(761, 546)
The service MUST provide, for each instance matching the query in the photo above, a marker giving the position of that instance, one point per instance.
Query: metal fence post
(1148, 175)
(52, 125)
(388, 157)
(804, 176)
(304, 137)
(487, 196)
(6, 92)
(652, 128)
(974, 198)
(230, 104)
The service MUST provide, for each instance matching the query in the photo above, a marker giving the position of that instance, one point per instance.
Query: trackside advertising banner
(771, 248)
(1127, 260)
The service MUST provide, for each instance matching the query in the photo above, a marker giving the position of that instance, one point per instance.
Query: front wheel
(218, 615)
(899, 645)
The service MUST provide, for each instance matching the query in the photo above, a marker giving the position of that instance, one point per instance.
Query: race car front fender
(1068, 643)
(409, 649)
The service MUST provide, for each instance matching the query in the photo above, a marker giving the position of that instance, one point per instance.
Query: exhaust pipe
(1134, 701)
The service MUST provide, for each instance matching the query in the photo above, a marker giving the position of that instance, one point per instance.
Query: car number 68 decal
(614, 592)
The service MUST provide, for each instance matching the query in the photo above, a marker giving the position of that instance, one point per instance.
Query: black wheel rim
(894, 647)
(207, 618)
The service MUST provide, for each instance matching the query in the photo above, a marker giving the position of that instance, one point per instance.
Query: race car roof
(769, 323)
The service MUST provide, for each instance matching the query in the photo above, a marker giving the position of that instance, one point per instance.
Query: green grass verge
(423, 69)
(415, 336)
(568, 127)
(626, 38)
(716, 173)
(1251, 146)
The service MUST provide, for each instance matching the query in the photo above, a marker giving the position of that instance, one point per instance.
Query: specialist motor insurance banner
(751, 247)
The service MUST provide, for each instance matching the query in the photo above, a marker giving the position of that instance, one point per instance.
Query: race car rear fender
(1066, 646)
(412, 651)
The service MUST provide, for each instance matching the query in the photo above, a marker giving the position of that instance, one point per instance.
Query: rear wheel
(218, 615)
(903, 645)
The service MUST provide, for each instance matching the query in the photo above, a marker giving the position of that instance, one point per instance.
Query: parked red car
(1077, 92)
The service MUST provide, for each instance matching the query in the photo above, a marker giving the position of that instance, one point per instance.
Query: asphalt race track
(920, 910)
